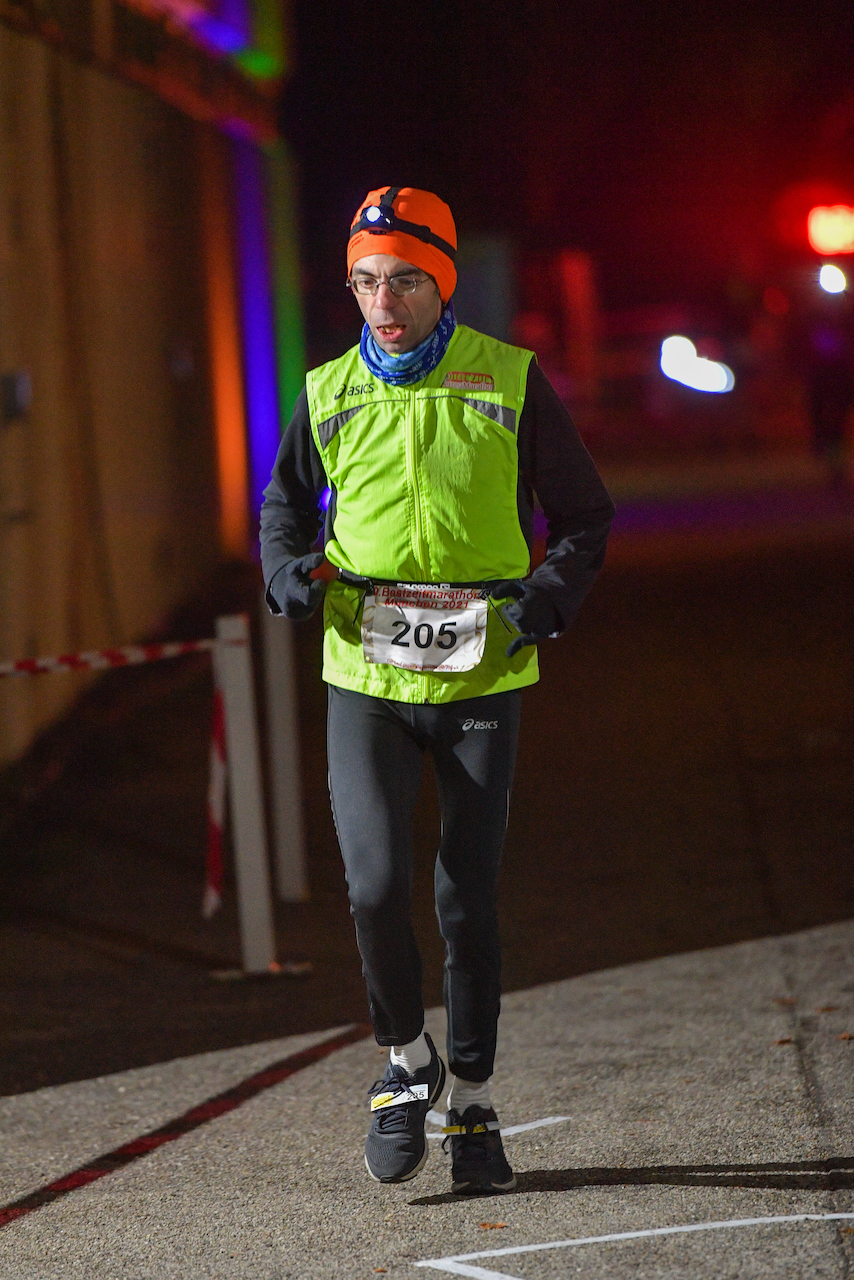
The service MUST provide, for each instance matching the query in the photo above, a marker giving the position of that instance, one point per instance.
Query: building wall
(108, 509)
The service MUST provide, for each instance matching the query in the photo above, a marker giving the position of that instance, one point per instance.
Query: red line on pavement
(218, 1105)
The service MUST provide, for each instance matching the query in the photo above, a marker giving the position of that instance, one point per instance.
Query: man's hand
(295, 591)
(530, 611)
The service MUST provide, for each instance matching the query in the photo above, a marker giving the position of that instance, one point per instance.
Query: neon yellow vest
(425, 490)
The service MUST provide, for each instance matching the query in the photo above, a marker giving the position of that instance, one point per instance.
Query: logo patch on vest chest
(461, 381)
(364, 389)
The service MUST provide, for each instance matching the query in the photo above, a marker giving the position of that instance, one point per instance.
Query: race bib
(424, 628)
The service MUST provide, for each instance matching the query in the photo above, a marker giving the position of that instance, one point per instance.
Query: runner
(431, 440)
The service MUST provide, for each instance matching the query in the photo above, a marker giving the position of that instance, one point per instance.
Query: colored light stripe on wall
(224, 339)
(248, 32)
(287, 293)
(257, 315)
(267, 57)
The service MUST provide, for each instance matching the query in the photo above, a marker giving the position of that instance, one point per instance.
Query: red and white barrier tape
(100, 659)
(134, 655)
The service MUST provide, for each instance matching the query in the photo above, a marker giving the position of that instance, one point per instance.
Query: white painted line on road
(458, 1265)
(436, 1117)
(454, 1268)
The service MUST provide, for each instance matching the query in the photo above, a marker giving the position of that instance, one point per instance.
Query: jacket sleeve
(290, 514)
(556, 466)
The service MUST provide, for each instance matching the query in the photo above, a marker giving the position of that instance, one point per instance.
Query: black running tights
(376, 748)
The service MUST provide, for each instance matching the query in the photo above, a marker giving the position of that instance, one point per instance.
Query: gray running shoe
(477, 1152)
(396, 1148)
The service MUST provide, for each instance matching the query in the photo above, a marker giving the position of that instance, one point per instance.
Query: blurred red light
(831, 228)
(775, 301)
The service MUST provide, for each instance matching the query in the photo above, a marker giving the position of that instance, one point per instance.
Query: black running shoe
(396, 1148)
(479, 1163)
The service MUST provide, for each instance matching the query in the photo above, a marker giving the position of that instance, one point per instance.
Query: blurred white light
(679, 361)
(831, 279)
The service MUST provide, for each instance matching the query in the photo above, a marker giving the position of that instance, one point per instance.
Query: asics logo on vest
(480, 724)
(363, 389)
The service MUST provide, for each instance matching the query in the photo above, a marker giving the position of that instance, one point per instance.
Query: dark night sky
(654, 135)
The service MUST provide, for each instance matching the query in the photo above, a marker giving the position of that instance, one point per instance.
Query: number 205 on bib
(425, 628)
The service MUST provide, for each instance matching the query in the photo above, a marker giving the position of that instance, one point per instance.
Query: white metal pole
(234, 672)
(283, 740)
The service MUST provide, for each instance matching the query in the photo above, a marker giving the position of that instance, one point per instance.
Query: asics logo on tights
(480, 724)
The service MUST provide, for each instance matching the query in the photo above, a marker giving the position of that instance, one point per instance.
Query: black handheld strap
(356, 580)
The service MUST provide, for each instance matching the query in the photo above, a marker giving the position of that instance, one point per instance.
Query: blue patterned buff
(411, 366)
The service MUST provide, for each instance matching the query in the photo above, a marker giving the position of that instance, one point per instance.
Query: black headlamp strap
(389, 221)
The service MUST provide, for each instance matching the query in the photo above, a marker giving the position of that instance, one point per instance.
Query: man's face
(398, 324)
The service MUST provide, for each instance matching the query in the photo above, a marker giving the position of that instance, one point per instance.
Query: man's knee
(374, 897)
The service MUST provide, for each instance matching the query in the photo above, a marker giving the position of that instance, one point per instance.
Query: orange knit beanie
(410, 224)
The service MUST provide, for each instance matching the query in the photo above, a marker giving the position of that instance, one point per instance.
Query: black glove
(295, 592)
(531, 612)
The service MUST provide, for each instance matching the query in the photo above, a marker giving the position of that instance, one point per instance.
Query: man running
(431, 440)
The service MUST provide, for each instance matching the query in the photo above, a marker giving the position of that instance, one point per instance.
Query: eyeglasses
(399, 285)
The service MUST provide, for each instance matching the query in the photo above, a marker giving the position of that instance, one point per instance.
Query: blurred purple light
(224, 25)
(220, 35)
(256, 305)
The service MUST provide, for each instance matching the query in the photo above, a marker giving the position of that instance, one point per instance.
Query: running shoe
(479, 1164)
(396, 1148)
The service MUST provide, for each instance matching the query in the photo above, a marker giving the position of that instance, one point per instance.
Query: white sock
(411, 1056)
(468, 1093)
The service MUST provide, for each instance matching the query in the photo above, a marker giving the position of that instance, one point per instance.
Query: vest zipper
(412, 475)
(412, 470)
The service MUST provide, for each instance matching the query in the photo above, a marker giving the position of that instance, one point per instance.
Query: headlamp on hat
(381, 218)
(375, 216)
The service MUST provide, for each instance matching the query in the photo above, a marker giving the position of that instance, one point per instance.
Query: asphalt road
(710, 1091)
